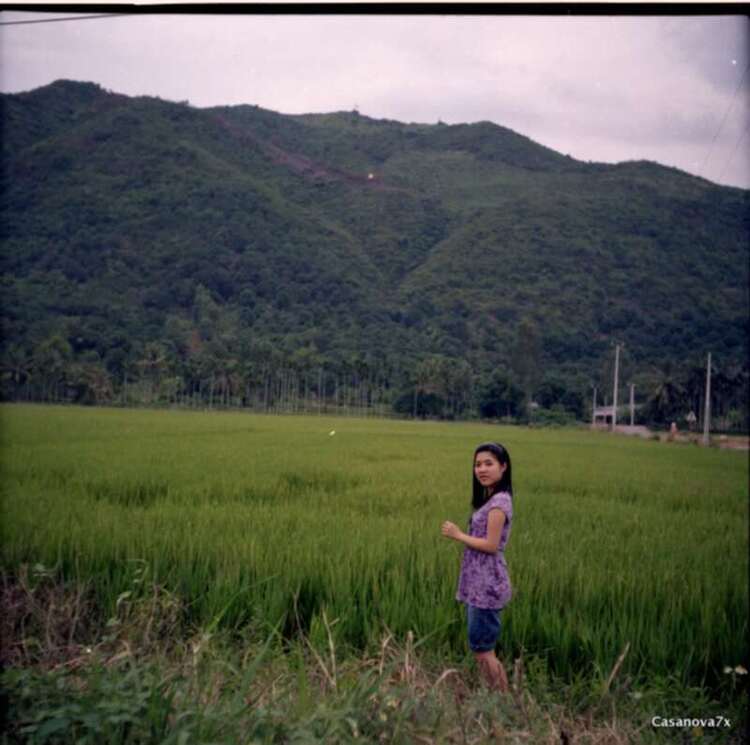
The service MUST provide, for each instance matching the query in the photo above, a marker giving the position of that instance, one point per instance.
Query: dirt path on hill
(304, 166)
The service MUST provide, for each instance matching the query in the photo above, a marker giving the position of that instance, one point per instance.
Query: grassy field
(252, 520)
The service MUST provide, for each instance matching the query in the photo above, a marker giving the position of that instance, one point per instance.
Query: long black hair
(479, 493)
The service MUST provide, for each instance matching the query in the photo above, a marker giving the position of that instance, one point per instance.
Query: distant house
(602, 419)
(603, 416)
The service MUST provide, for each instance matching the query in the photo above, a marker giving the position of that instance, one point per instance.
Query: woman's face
(487, 468)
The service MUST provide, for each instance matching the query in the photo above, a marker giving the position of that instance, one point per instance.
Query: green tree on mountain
(500, 396)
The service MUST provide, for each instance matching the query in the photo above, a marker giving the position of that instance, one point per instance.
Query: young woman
(484, 584)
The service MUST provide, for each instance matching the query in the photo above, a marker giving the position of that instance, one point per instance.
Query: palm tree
(695, 388)
(153, 364)
(51, 364)
(17, 365)
(668, 401)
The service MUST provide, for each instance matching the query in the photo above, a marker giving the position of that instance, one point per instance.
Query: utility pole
(593, 409)
(707, 410)
(614, 395)
(632, 404)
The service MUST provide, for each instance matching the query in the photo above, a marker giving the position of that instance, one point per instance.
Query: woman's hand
(451, 530)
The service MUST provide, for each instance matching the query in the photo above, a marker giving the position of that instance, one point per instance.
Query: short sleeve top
(484, 581)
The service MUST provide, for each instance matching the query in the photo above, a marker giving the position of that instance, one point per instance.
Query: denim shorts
(484, 628)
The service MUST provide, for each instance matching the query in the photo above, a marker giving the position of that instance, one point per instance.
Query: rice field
(254, 519)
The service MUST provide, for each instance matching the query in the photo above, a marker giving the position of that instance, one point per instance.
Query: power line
(63, 18)
(731, 157)
(724, 119)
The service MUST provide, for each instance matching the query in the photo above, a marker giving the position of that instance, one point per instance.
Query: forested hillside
(157, 252)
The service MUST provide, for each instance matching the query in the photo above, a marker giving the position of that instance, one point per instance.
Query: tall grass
(251, 519)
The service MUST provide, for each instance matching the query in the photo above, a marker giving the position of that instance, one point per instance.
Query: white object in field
(332, 433)
(370, 176)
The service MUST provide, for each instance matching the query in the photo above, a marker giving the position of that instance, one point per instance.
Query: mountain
(129, 222)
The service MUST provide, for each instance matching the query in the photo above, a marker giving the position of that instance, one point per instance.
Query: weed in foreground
(131, 682)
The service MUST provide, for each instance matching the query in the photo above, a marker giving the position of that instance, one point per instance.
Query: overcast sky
(670, 89)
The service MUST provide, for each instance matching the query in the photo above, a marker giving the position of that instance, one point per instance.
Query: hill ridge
(463, 234)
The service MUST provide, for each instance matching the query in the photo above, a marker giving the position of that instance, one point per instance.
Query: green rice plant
(250, 519)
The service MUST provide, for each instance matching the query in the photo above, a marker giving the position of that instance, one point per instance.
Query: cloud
(610, 88)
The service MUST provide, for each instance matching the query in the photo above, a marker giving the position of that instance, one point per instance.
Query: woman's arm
(495, 522)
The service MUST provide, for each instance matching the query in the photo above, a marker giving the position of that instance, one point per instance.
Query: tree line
(263, 378)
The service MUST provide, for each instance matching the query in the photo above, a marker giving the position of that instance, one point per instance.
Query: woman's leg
(493, 671)
(484, 627)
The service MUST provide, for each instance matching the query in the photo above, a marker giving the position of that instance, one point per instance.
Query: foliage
(222, 690)
(668, 401)
(329, 239)
(557, 416)
(501, 397)
(554, 391)
(117, 706)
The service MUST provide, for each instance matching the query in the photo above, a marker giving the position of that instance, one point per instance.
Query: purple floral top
(484, 580)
